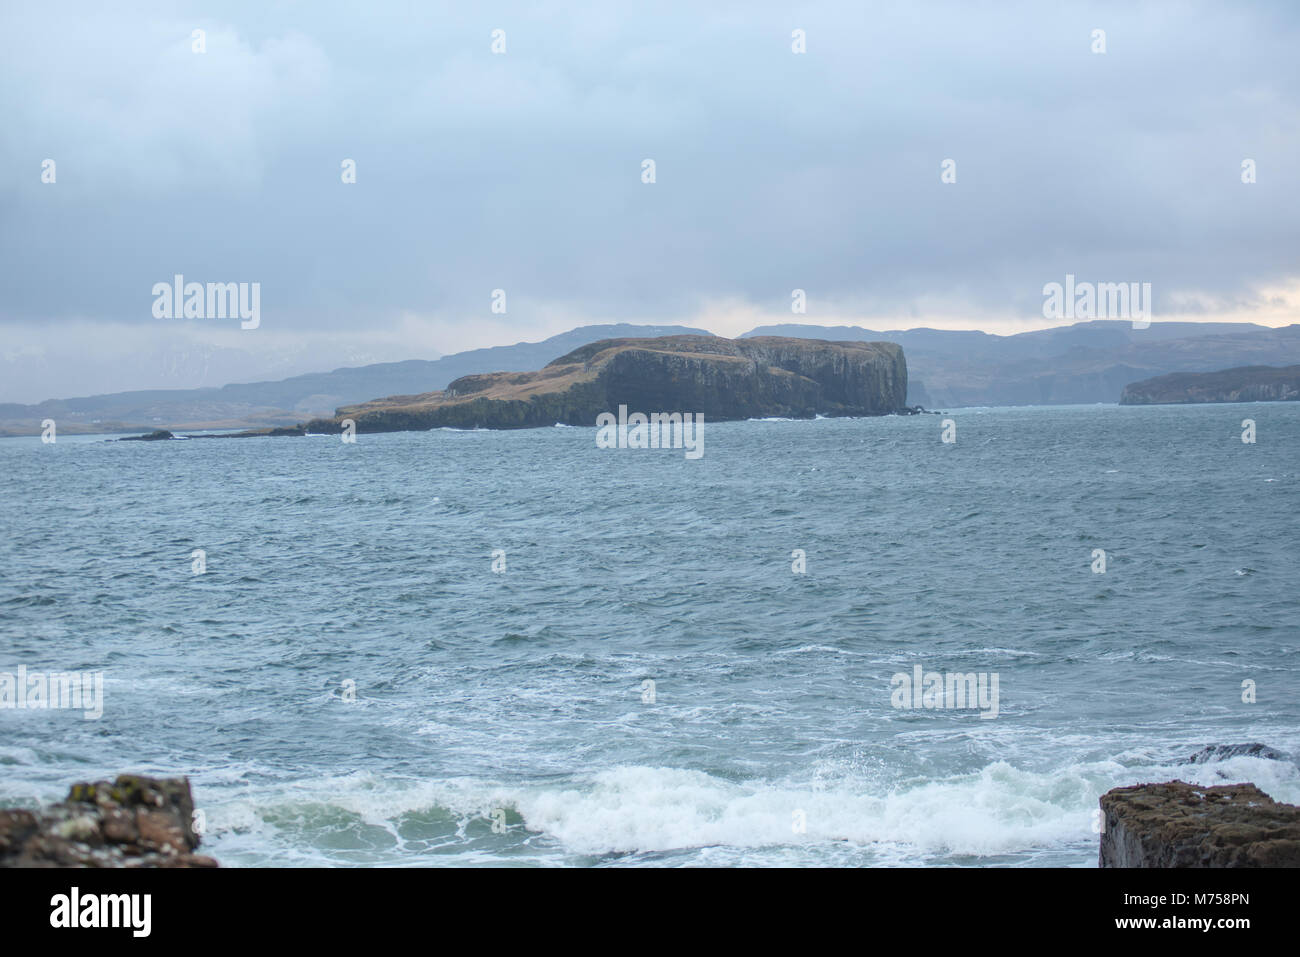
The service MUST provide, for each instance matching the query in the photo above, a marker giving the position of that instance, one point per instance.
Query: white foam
(659, 809)
(998, 810)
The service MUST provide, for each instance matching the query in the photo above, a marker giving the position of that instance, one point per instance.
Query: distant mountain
(1086, 362)
(1244, 384)
(302, 397)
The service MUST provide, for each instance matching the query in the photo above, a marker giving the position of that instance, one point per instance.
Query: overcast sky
(522, 171)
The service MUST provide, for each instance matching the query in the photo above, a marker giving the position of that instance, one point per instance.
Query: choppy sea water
(504, 717)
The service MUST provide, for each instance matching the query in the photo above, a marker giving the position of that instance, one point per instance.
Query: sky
(522, 171)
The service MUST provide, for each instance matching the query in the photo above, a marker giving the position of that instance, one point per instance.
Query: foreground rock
(723, 379)
(131, 822)
(1243, 384)
(1182, 825)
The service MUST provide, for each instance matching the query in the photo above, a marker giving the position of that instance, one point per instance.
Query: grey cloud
(521, 171)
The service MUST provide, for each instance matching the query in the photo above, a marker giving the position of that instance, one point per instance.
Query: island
(1242, 384)
(722, 379)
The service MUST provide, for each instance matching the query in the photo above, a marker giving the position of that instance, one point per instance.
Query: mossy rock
(83, 793)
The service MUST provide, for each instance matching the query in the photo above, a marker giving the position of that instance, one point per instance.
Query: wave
(996, 811)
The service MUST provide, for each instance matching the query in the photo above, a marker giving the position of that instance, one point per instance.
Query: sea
(488, 648)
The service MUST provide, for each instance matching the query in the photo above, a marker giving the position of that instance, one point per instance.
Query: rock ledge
(1183, 825)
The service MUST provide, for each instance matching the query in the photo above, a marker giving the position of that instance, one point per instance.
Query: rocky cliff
(133, 821)
(1244, 384)
(719, 378)
(1183, 825)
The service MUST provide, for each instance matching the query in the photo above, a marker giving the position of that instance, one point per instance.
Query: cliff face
(1182, 825)
(1244, 384)
(720, 378)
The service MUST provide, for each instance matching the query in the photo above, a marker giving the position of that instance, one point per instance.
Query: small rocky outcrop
(298, 430)
(291, 430)
(1221, 752)
(1243, 384)
(133, 821)
(1184, 825)
(158, 436)
(723, 379)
